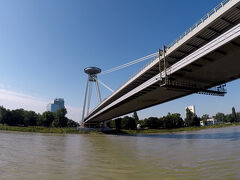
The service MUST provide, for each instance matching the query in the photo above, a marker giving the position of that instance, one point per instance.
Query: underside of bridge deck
(220, 66)
(188, 64)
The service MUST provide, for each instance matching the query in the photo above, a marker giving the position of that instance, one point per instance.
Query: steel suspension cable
(130, 63)
(100, 82)
(110, 89)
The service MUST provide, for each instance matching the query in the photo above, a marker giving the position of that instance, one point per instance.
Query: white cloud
(15, 100)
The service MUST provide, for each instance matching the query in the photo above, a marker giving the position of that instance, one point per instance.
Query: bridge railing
(204, 18)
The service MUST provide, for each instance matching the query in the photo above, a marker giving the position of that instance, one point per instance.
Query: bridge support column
(105, 124)
(92, 79)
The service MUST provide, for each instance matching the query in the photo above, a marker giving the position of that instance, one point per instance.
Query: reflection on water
(226, 135)
(211, 154)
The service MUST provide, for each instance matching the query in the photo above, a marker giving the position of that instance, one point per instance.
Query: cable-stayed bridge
(201, 60)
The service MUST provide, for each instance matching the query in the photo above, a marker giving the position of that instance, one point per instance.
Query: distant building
(210, 121)
(58, 103)
(191, 108)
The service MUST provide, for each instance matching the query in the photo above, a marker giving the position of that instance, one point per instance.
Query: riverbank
(156, 131)
(39, 129)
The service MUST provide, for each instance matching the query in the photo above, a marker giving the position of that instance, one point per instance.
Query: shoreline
(183, 129)
(39, 129)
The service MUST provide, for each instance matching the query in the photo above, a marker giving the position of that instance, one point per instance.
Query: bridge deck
(212, 28)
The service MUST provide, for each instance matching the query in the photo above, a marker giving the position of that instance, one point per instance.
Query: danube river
(206, 154)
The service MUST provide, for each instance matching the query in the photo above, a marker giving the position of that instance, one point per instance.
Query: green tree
(8, 119)
(160, 122)
(234, 115)
(196, 121)
(16, 117)
(238, 116)
(118, 124)
(220, 117)
(60, 120)
(205, 117)
(178, 121)
(135, 116)
(30, 118)
(151, 122)
(72, 123)
(39, 119)
(173, 121)
(128, 123)
(191, 119)
(228, 118)
(47, 118)
(3, 113)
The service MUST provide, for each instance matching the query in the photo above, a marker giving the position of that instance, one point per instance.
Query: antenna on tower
(92, 79)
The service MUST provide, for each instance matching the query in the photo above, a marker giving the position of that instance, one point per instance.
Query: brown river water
(206, 154)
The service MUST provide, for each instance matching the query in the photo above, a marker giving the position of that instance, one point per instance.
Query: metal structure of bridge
(201, 60)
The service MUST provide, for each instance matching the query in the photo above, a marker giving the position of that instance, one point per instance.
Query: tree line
(171, 121)
(226, 118)
(21, 117)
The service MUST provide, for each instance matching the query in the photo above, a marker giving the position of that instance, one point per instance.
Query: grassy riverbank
(39, 129)
(154, 131)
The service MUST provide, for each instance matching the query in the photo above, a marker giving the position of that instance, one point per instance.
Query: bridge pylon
(92, 73)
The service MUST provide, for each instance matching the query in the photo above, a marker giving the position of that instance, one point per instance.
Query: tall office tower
(58, 103)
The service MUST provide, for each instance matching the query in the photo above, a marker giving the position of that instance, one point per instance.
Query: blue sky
(46, 44)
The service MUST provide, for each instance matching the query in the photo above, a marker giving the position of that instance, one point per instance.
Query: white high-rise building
(58, 103)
